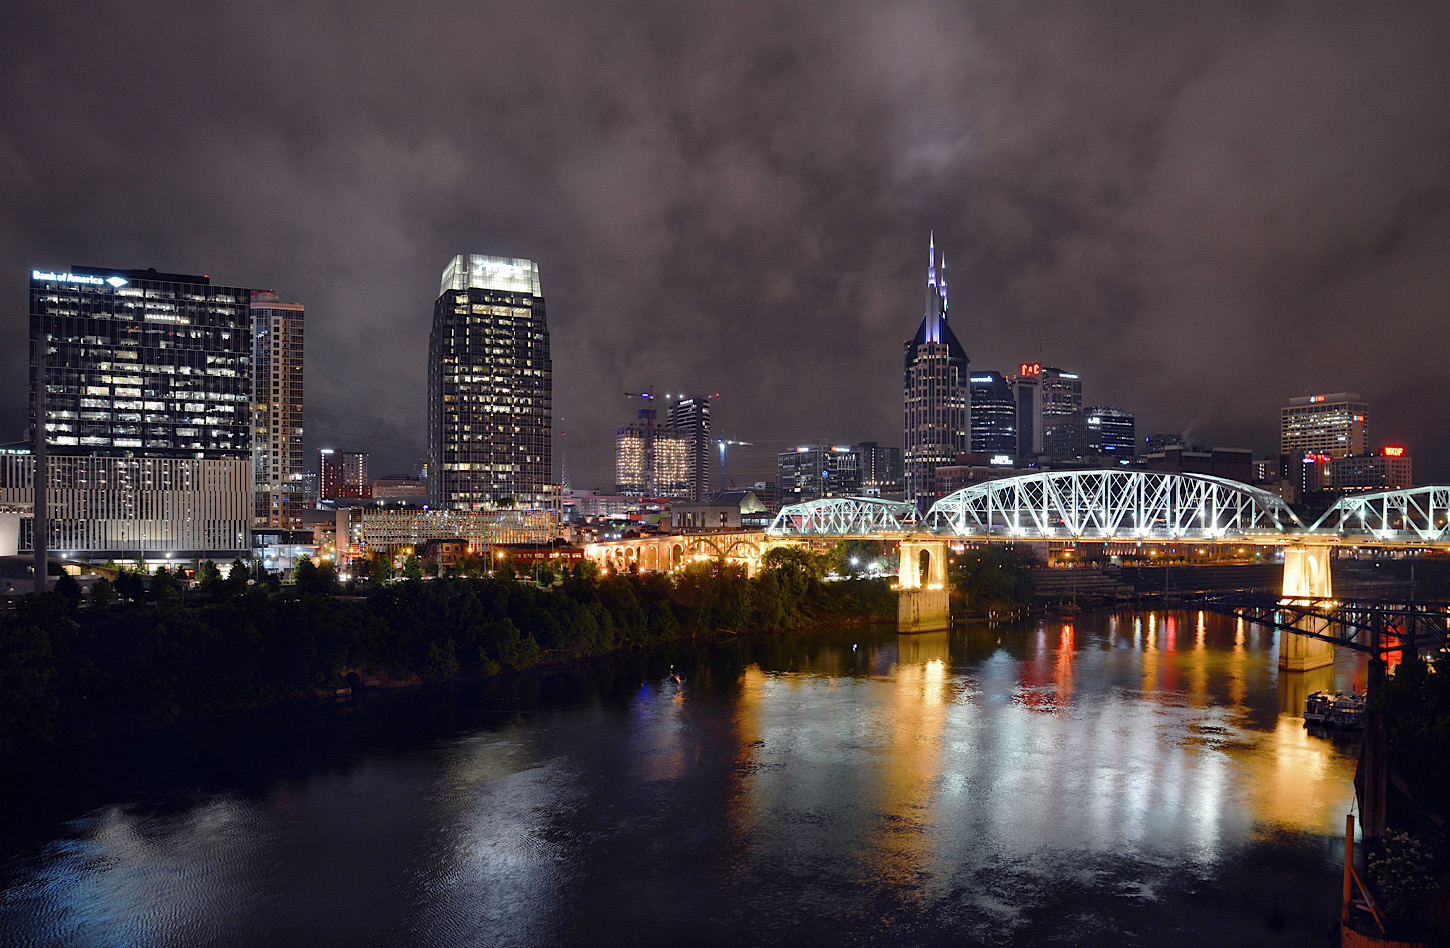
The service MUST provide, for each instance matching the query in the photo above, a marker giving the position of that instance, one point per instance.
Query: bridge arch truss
(843, 516)
(1113, 505)
(1416, 514)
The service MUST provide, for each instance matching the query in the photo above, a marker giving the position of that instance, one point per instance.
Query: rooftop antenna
(564, 462)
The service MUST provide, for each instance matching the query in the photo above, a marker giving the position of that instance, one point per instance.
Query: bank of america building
(147, 416)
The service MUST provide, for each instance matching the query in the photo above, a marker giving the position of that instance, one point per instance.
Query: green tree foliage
(102, 594)
(159, 661)
(412, 567)
(1416, 702)
(163, 585)
(130, 586)
(69, 590)
(993, 577)
(209, 580)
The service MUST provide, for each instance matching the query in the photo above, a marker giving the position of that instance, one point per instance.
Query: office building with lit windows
(690, 416)
(813, 471)
(994, 414)
(937, 396)
(1335, 425)
(490, 386)
(277, 410)
(146, 414)
(1111, 432)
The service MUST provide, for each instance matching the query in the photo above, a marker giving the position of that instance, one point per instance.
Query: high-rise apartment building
(690, 416)
(343, 475)
(1335, 425)
(937, 396)
(650, 461)
(490, 385)
(994, 414)
(145, 438)
(277, 411)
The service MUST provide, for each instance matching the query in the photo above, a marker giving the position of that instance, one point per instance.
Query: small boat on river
(1339, 709)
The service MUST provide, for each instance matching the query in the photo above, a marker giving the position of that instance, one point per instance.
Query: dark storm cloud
(1203, 209)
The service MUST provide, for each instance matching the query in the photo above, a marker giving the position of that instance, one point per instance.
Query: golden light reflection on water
(1178, 733)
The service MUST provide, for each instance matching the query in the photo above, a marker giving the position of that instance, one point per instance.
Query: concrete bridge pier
(924, 603)
(1306, 575)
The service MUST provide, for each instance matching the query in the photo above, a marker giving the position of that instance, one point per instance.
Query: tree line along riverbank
(143, 656)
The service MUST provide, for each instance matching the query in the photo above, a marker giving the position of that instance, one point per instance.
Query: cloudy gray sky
(1203, 209)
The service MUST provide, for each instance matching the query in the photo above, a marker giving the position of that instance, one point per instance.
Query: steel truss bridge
(1376, 627)
(1124, 506)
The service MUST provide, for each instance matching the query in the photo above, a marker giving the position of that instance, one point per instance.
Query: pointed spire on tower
(942, 284)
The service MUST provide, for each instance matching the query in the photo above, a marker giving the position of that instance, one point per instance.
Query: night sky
(1203, 209)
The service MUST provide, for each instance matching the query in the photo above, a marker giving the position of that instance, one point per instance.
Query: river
(1130, 778)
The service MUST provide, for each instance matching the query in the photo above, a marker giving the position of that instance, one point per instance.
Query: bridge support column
(1306, 575)
(924, 604)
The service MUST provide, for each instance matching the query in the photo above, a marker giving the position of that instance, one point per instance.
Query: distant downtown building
(690, 416)
(994, 415)
(490, 386)
(936, 396)
(1335, 425)
(343, 475)
(147, 418)
(1111, 432)
(881, 471)
(813, 471)
(277, 411)
(651, 461)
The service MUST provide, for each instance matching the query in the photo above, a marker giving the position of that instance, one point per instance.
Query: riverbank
(70, 674)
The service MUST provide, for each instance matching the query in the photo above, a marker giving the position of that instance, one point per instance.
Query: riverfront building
(1335, 425)
(146, 414)
(277, 410)
(389, 528)
(937, 395)
(880, 470)
(490, 386)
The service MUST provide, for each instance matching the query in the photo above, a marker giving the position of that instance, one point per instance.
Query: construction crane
(724, 442)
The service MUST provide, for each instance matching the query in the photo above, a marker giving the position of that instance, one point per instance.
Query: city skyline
(1204, 213)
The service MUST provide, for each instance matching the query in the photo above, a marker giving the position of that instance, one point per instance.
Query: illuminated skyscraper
(146, 421)
(1335, 425)
(994, 415)
(937, 394)
(490, 385)
(277, 410)
(690, 416)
